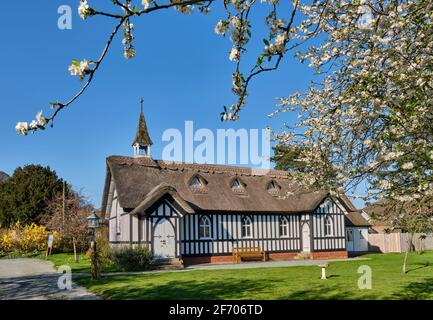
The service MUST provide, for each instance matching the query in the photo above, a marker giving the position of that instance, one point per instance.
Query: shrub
(133, 258)
(105, 252)
(26, 239)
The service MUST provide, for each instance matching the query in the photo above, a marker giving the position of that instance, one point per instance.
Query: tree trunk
(75, 250)
(409, 247)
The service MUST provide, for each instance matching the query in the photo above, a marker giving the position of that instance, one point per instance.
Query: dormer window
(273, 188)
(197, 184)
(237, 186)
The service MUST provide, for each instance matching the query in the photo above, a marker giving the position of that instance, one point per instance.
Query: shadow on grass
(323, 293)
(177, 289)
(423, 265)
(421, 290)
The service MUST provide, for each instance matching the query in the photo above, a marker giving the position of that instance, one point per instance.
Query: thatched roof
(355, 219)
(3, 176)
(139, 181)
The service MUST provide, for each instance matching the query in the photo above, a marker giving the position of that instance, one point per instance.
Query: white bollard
(323, 267)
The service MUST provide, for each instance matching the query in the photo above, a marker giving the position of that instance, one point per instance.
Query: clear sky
(182, 70)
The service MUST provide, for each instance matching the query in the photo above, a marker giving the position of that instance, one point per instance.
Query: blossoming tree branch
(236, 24)
(368, 115)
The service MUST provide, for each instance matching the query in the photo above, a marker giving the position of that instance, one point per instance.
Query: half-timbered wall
(323, 241)
(147, 223)
(226, 230)
(226, 234)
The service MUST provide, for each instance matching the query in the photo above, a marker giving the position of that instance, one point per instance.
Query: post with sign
(50, 244)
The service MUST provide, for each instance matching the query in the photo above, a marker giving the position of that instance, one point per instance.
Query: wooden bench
(248, 252)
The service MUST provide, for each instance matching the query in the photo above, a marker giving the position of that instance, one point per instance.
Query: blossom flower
(80, 68)
(236, 22)
(146, 3)
(22, 128)
(280, 39)
(84, 9)
(129, 52)
(407, 166)
(33, 125)
(234, 54)
(40, 119)
(222, 27)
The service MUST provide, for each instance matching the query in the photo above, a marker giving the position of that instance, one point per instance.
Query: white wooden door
(306, 238)
(361, 240)
(349, 240)
(164, 240)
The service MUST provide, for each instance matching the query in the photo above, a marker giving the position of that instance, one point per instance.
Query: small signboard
(50, 244)
(50, 241)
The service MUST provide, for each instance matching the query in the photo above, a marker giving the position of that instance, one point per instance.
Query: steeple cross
(142, 101)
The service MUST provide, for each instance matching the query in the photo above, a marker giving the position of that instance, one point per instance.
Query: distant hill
(3, 176)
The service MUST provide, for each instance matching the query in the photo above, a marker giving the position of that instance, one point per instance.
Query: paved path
(34, 279)
(268, 264)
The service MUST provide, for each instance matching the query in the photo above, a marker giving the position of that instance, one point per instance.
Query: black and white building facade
(199, 213)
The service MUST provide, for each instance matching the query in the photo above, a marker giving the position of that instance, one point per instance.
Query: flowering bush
(28, 238)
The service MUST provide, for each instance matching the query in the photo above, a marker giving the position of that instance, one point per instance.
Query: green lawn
(388, 282)
(82, 266)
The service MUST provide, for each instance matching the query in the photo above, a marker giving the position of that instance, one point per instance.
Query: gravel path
(34, 279)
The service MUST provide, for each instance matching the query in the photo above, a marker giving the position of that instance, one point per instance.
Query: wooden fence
(398, 242)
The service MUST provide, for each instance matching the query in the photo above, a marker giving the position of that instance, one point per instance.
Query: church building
(201, 213)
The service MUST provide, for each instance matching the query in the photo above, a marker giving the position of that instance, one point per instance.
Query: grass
(388, 282)
(19, 254)
(82, 266)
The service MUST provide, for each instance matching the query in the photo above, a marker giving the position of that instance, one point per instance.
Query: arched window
(284, 227)
(247, 227)
(329, 226)
(204, 228)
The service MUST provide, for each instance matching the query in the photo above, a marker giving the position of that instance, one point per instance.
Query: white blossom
(407, 166)
(234, 54)
(222, 27)
(40, 119)
(146, 3)
(22, 128)
(84, 9)
(129, 53)
(80, 69)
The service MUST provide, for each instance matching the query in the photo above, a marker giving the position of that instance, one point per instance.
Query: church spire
(142, 141)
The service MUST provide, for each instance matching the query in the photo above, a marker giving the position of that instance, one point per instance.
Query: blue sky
(182, 70)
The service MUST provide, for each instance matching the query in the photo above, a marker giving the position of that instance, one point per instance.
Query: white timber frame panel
(226, 233)
(329, 212)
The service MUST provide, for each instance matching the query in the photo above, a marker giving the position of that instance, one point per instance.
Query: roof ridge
(203, 167)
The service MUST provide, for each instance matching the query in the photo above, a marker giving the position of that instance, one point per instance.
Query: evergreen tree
(25, 196)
